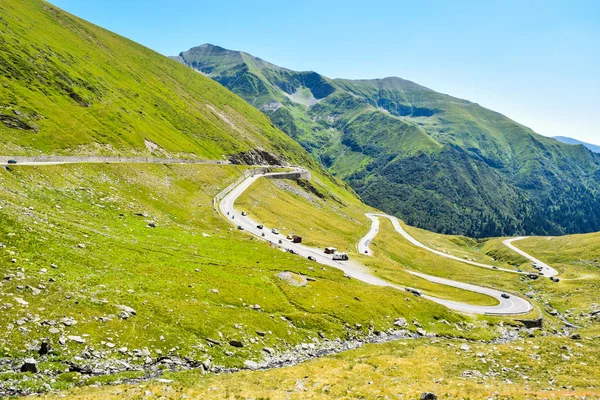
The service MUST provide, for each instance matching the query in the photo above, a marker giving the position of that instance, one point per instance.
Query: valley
(255, 232)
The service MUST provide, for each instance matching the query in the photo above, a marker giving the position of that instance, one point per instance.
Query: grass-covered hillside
(440, 163)
(118, 266)
(559, 360)
(69, 87)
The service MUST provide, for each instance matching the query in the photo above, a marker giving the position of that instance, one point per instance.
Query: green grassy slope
(69, 87)
(439, 162)
(190, 278)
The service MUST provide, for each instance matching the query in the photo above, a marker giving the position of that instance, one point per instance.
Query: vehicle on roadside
(340, 256)
(311, 258)
(292, 251)
(244, 213)
(533, 276)
(414, 291)
(260, 226)
(241, 228)
(494, 267)
(505, 296)
(274, 231)
(12, 161)
(330, 250)
(296, 239)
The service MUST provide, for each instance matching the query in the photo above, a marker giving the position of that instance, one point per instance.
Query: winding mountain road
(363, 245)
(546, 269)
(353, 268)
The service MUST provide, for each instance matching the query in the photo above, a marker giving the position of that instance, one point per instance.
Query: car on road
(244, 213)
(292, 251)
(505, 296)
(12, 161)
(274, 231)
(241, 228)
(414, 291)
(494, 267)
(311, 258)
(260, 226)
(340, 256)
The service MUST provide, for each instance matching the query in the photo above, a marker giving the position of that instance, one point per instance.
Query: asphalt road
(363, 245)
(354, 269)
(512, 305)
(59, 160)
(546, 269)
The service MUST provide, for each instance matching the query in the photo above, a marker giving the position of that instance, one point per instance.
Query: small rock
(81, 245)
(400, 322)
(428, 396)
(236, 343)
(576, 336)
(465, 347)
(251, 365)
(77, 339)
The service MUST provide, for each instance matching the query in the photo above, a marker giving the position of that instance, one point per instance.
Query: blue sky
(537, 62)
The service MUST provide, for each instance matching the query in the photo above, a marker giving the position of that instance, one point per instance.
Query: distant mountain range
(568, 140)
(439, 162)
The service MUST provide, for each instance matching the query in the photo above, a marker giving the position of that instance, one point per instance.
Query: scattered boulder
(67, 321)
(29, 365)
(576, 336)
(400, 322)
(77, 339)
(126, 311)
(213, 342)
(292, 279)
(251, 365)
(236, 343)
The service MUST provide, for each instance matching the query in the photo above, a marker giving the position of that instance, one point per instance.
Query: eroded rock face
(257, 157)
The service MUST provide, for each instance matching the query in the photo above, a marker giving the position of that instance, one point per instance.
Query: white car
(275, 231)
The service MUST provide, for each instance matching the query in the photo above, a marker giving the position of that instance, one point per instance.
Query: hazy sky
(537, 62)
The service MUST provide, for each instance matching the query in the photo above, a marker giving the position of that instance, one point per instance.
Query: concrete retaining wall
(291, 175)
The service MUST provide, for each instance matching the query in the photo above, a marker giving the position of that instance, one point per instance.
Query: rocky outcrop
(257, 157)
